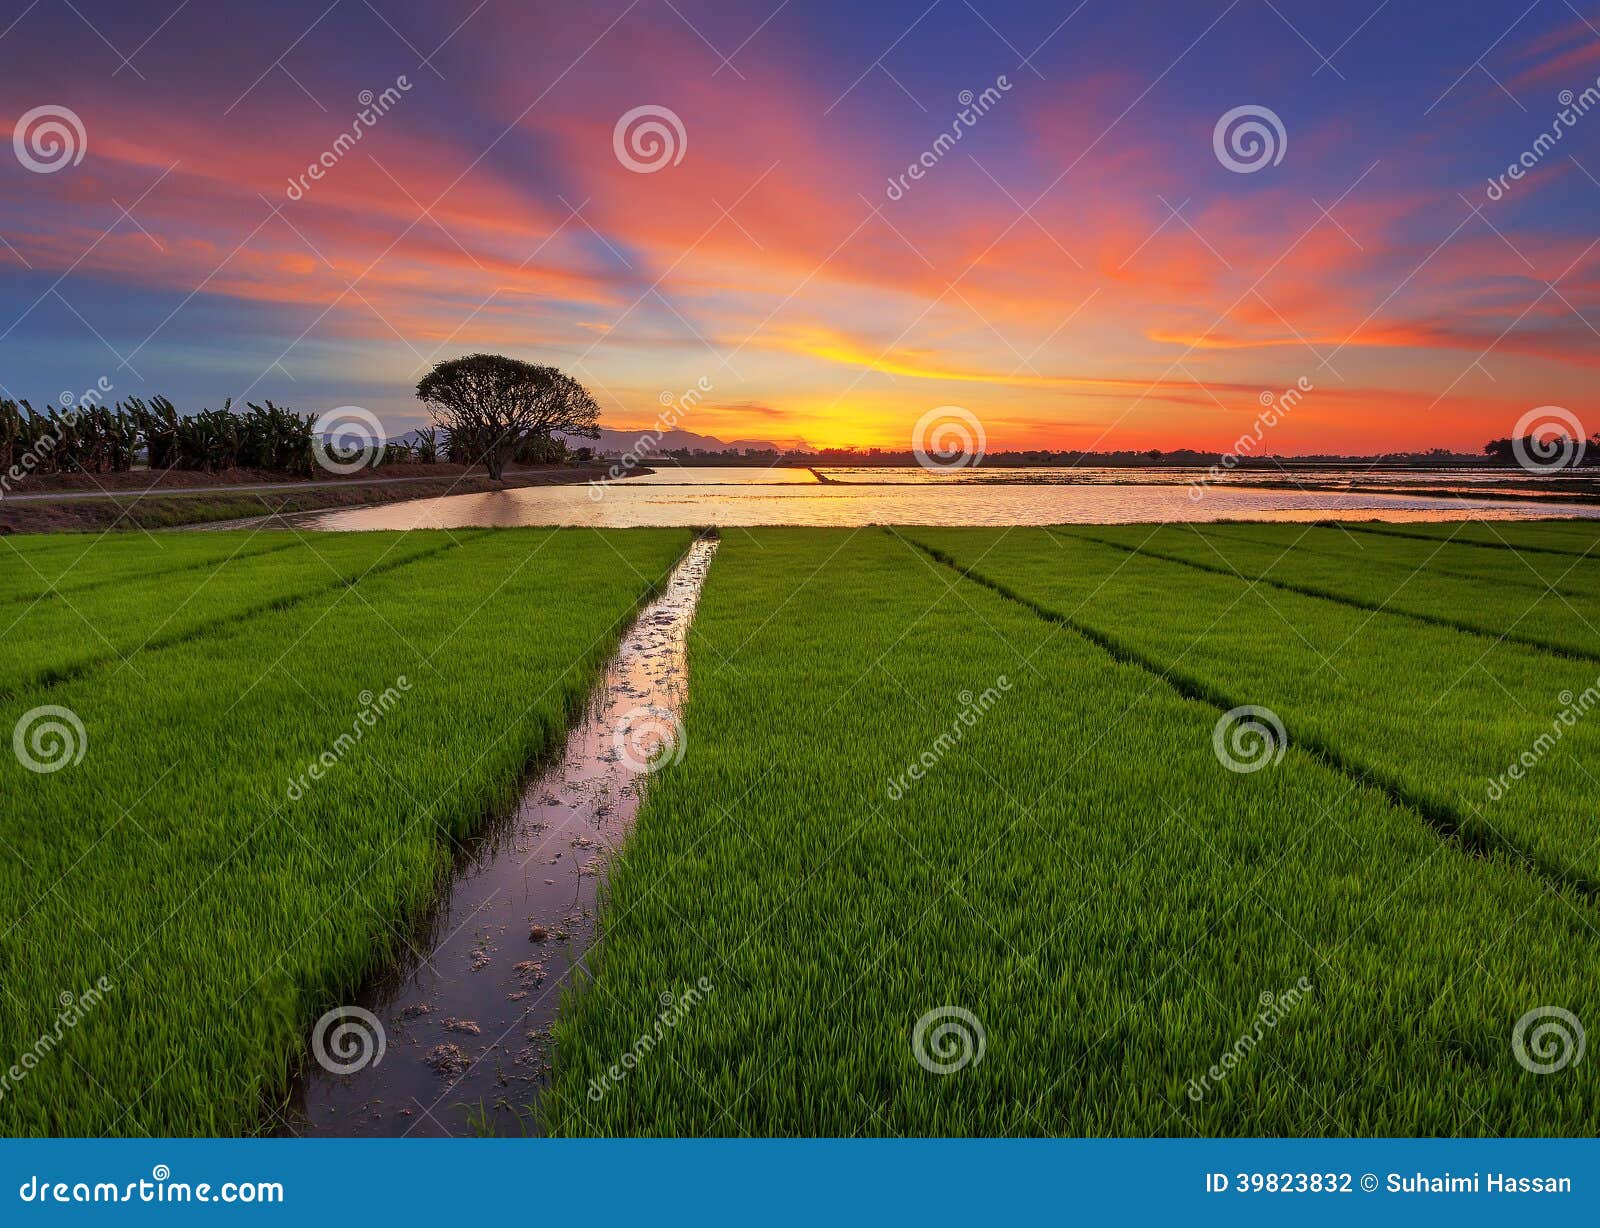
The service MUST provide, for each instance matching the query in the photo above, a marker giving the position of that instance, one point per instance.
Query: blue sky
(1081, 269)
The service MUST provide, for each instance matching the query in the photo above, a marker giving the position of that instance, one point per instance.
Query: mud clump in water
(447, 1059)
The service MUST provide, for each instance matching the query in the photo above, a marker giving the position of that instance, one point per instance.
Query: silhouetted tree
(1498, 450)
(1507, 451)
(491, 407)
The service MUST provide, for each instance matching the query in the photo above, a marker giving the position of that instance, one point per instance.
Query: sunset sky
(1079, 270)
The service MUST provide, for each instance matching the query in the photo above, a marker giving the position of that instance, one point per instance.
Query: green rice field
(172, 859)
(1235, 829)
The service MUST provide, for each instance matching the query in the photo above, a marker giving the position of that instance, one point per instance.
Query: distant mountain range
(615, 442)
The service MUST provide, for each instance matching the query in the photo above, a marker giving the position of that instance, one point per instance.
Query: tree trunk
(495, 458)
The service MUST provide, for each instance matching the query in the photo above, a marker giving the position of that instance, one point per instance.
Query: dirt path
(240, 488)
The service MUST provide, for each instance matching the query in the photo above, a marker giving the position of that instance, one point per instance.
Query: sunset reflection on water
(733, 497)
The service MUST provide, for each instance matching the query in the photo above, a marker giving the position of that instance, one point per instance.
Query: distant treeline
(1557, 451)
(96, 438)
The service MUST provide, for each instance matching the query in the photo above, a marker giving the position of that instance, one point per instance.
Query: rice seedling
(47, 641)
(1578, 537)
(1568, 625)
(1521, 570)
(38, 566)
(953, 846)
(948, 867)
(238, 846)
(1487, 738)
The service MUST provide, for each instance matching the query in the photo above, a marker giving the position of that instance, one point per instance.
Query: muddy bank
(239, 497)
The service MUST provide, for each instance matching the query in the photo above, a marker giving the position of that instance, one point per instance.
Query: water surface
(730, 497)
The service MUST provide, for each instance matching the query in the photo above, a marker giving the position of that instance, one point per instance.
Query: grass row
(1074, 868)
(45, 641)
(227, 914)
(1553, 621)
(40, 567)
(1505, 568)
(1576, 537)
(1439, 716)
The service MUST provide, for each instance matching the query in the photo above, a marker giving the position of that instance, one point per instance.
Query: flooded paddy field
(686, 495)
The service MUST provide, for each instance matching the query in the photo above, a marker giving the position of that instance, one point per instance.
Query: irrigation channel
(463, 1022)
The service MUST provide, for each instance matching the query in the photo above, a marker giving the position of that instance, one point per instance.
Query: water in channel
(463, 1022)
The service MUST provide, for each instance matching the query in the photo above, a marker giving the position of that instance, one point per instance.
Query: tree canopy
(491, 405)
